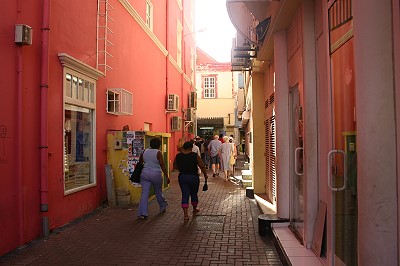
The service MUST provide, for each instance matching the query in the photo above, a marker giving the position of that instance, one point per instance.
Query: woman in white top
(151, 175)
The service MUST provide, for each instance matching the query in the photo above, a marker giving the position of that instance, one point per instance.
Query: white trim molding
(73, 63)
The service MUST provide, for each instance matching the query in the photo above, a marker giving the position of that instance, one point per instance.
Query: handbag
(135, 177)
(232, 160)
(205, 186)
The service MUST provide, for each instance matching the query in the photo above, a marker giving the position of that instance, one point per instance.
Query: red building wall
(138, 65)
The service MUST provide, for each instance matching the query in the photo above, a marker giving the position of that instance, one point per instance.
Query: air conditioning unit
(190, 114)
(191, 128)
(176, 123)
(193, 99)
(23, 34)
(173, 103)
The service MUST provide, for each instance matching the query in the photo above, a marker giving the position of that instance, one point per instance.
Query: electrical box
(23, 34)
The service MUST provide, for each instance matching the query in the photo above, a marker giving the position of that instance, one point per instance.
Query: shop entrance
(342, 159)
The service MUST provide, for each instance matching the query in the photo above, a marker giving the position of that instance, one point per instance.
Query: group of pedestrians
(187, 162)
(221, 153)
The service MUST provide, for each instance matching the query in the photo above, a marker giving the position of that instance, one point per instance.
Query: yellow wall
(118, 159)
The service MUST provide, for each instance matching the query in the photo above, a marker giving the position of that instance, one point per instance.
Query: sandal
(195, 211)
(186, 219)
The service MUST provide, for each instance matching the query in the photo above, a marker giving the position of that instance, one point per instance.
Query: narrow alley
(224, 233)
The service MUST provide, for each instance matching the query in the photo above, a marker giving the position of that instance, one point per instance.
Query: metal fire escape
(103, 34)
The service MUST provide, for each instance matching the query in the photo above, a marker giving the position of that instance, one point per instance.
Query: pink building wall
(139, 66)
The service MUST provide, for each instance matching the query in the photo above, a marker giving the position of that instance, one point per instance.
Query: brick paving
(224, 233)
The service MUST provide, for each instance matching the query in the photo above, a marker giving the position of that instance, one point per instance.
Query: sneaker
(142, 217)
(165, 208)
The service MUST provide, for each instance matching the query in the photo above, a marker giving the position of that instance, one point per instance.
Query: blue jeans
(147, 179)
(189, 187)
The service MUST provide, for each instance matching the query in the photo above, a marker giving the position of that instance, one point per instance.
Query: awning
(210, 121)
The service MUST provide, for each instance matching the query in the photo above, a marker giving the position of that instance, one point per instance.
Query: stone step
(247, 175)
(247, 183)
(247, 172)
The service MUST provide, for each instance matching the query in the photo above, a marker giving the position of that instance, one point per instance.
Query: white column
(282, 123)
(310, 122)
(376, 134)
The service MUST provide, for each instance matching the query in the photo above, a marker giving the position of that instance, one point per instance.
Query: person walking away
(214, 148)
(196, 149)
(199, 142)
(226, 150)
(221, 138)
(151, 176)
(236, 143)
(232, 160)
(187, 163)
(207, 152)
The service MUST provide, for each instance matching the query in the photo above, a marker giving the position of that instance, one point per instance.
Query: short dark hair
(188, 145)
(155, 143)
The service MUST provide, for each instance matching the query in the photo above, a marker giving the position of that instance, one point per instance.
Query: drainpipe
(18, 154)
(44, 85)
(19, 148)
(166, 62)
(167, 114)
(183, 67)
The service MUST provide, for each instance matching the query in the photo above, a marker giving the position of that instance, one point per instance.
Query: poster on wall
(133, 141)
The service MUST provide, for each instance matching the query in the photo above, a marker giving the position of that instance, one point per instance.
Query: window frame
(209, 92)
(77, 68)
(87, 105)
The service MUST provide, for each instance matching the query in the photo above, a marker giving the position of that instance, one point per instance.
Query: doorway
(342, 159)
(296, 164)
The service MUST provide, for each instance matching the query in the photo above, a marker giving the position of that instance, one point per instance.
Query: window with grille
(149, 15)
(209, 87)
(119, 102)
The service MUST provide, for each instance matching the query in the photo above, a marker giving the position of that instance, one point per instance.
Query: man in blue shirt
(215, 150)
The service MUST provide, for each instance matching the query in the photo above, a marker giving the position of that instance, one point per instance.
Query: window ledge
(77, 189)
